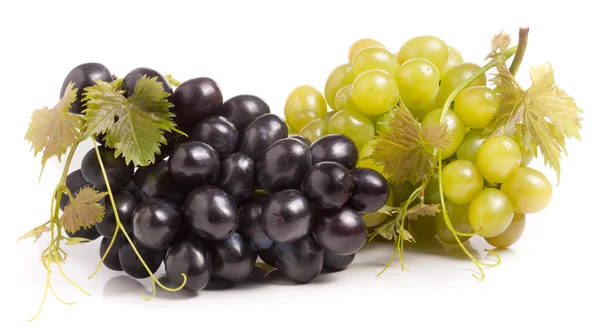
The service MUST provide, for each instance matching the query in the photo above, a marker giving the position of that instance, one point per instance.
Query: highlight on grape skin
(400, 145)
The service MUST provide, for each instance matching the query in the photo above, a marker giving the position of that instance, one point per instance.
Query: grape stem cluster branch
(518, 51)
(155, 280)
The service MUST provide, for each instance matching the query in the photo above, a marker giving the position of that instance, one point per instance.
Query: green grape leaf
(388, 210)
(387, 231)
(53, 131)
(422, 210)
(134, 126)
(84, 211)
(404, 148)
(405, 234)
(500, 42)
(76, 241)
(543, 116)
(36, 232)
(173, 81)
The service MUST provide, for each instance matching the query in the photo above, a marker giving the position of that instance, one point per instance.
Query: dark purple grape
(283, 165)
(118, 173)
(243, 109)
(233, 258)
(287, 216)
(130, 80)
(251, 226)
(112, 258)
(194, 164)
(335, 148)
(328, 185)
(132, 189)
(156, 223)
(340, 231)
(192, 258)
(262, 133)
(173, 140)
(194, 100)
(301, 138)
(336, 262)
(126, 204)
(370, 192)
(74, 182)
(300, 261)
(84, 76)
(217, 132)
(131, 263)
(156, 181)
(236, 176)
(211, 213)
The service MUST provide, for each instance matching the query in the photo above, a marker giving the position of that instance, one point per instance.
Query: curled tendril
(155, 281)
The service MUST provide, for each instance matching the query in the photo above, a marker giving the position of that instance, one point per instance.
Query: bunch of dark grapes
(237, 190)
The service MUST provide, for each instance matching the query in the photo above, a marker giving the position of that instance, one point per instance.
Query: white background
(268, 48)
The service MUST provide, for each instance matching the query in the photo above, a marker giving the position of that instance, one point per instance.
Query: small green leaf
(422, 210)
(387, 231)
(84, 211)
(404, 148)
(36, 232)
(134, 126)
(407, 236)
(388, 210)
(76, 241)
(173, 81)
(53, 131)
(500, 42)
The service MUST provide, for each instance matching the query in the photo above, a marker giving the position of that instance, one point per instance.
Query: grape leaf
(542, 116)
(388, 210)
(134, 126)
(405, 235)
(36, 232)
(173, 81)
(53, 131)
(500, 43)
(404, 149)
(387, 231)
(76, 241)
(422, 210)
(84, 211)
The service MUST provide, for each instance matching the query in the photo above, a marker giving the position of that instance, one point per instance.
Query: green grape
(374, 219)
(302, 98)
(339, 77)
(476, 106)
(511, 235)
(461, 181)
(490, 213)
(382, 121)
(374, 92)
(418, 82)
(328, 116)
(289, 128)
(343, 101)
(303, 118)
(402, 192)
(454, 59)
(456, 129)
(454, 77)
(459, 217)
(354, 125)
(432, 191)
(429, 47)
(498, 158)
(374, 58)
(470, 145)
(423, 226)
(528, 190)
(361, 44)
(314, 130)
(365, 151)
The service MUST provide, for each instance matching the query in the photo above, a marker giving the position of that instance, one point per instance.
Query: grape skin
(490, 213)
(528, 190)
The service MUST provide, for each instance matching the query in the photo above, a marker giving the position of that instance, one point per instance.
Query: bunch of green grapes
(487, 186)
